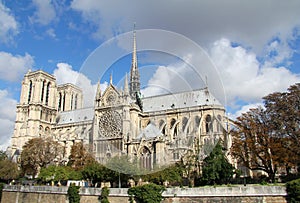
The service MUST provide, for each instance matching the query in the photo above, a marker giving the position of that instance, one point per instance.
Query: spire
(134, 72)
(126, 91)
(98, 95)
(110, 79)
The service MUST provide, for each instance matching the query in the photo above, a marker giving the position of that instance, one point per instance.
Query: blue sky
(246, 49)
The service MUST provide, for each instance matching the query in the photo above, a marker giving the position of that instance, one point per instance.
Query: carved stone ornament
(110, 124)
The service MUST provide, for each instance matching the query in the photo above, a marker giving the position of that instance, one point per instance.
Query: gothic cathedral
(156, 130)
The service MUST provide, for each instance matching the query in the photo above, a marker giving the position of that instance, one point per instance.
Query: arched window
(175, 131)
(47, 93)
(30, 91)
(208, 124)
(184, 124)
(219, 125)
(43, 89)
(162, 126)
(59, 101)
(197, 122)
(64, 99)
(145, 158)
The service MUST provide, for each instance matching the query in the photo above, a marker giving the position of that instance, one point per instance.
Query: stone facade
(155, 130)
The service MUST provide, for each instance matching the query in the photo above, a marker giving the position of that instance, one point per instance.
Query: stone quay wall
(233, 194)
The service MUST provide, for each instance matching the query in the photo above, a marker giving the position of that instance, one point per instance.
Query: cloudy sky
(247, 49)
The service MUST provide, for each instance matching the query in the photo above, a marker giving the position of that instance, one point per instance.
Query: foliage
(216, 168)
(173, 174)
(293, 190)
(3, 155)
(122, 164)
(104, 195)
(97, 173)
(1, 188)
(56, 173)
(38, 153)
(268, 138)
(80, 156)
(73, 194)
(149, 193)
(283, 108)
(8, 170)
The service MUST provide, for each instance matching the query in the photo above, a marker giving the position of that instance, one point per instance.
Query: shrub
(73, 194)
(149, 193)
(104, 195)
(1, 188)
(293, 190)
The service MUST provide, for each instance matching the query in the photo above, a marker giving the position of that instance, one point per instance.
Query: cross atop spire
(134, 72)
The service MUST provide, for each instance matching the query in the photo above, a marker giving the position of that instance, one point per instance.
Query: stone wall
(234, 194)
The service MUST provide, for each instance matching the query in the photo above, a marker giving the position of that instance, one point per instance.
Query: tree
(8, 170)
(284, 111)
(149, 193)
(80, 156)
(268, 138)
(255, 142)
(216, 168)
(97, 173)
(55, 173)
(73, 194)
(3, 155)
(104, 195)
(38, 153)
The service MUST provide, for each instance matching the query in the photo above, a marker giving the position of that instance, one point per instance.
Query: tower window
(59, 101)
(47, 93)
(30, 91)
(75, 103)
(42, 93)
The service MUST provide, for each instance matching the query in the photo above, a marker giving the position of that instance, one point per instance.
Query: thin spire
(110, 79)
(126, 91)
(134, 72)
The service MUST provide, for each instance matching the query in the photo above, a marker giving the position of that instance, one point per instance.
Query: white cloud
(253, 23)
(8, 24)
(12, 68)
(244, 77)
(65, 74)
(45, 12)
(51, 33)
(7, 118)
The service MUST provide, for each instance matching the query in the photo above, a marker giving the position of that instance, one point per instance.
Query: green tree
(216, 168)
(97, 173)
(104, 195)
(73, 194)
(80, 156)
(293, 191)
(38, 153)
(149, 193)
(173, 174)
(55, 173)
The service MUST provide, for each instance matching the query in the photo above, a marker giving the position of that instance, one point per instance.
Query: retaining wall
(234, 194)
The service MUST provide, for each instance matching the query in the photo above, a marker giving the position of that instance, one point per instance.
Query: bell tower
(36, 111)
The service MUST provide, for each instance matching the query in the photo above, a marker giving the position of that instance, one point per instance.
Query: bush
(104, 195)
(1, 188)
(73, 194)
(149, 193)
(293, 190)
